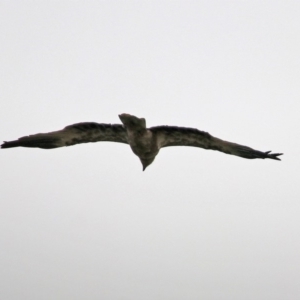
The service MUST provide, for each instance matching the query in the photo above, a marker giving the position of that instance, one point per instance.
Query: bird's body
(144, 142)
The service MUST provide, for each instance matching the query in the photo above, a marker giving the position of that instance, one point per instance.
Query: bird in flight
(144, 142)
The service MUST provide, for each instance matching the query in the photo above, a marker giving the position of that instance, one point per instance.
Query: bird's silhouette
(144, 142)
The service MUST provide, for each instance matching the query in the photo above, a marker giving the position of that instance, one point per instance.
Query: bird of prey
(144, 142)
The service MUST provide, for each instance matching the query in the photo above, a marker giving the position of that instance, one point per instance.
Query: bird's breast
(142, 143)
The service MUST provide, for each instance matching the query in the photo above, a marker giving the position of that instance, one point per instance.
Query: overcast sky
(85, 222)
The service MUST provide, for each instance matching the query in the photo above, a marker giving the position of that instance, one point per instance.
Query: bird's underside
(144, 142)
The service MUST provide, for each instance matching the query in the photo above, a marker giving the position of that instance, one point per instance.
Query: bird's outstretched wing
(72, 135)
(182, 136)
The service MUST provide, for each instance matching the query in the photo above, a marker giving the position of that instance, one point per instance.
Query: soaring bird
(144, 142)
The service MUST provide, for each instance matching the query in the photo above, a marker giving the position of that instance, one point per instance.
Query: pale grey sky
(85, 222)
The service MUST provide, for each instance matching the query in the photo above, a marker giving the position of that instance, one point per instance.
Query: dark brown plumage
(144, 142)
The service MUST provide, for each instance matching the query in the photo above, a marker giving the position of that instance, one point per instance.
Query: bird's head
(146, 162)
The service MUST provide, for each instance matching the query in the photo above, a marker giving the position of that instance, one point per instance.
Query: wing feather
(182, 136)
(71, 135)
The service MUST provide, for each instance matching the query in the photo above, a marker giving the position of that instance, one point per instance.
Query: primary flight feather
(144, 142)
